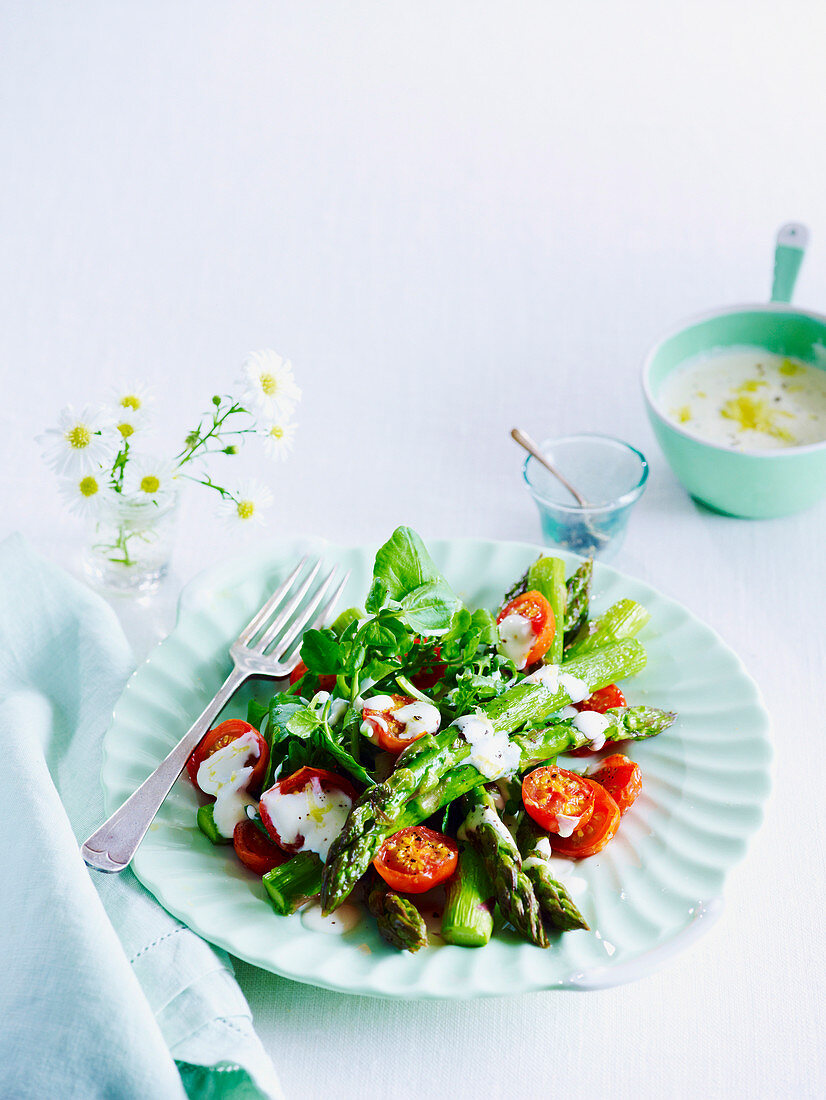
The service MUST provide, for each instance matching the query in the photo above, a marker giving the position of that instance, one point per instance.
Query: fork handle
(113, 845)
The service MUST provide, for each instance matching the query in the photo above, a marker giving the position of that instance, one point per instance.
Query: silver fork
(274, 654)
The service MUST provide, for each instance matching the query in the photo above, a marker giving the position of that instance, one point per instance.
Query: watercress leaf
(385, 633)
(321, 652)
(377, 669)
(343, 758)
(256, 713)
(345, 619)
(303, 723)
(485, 623)
(430, 608)
(282, 708)
(402, 565)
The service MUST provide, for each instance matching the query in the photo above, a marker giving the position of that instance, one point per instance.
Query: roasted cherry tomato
(325, 683)
(391, 735)
(534, 607)
(557, 799)
(605, 699)
(621, 777)
(416, 858)
(317, 779)
(593, 837)
(256, 851)
(219, 738)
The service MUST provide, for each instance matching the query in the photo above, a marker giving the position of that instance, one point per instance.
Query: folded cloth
(102, 992)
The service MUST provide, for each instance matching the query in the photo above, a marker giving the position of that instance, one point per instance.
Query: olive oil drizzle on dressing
(748, 399)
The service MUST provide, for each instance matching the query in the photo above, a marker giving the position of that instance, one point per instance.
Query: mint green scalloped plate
(652, 892)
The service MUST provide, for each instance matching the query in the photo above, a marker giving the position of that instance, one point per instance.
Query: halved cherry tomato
(604, 699)
(256, 851)
(416, 859)
(387, 729)
(316, 779)
(551, 795)
(222, 736)
(621, 777)
(534, 607)
(325, 683)
(593, 837)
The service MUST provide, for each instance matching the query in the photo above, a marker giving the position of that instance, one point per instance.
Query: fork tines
(297, 614)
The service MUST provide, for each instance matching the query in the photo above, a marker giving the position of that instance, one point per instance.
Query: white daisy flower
(129, 407)
(279, 436)
(82, 442)
(87, 495)
(251, 499)
(268, 384)
(148, 478)
(135, 398)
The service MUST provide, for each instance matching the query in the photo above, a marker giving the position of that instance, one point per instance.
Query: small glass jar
(130, 543)
(611, 475)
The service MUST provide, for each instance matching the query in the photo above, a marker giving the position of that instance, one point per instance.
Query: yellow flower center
(268, 384)
(126, 430)
(79, 437)
(150, 484)
(277, 432)
(131, 402)
(88, 486)
(246, 508)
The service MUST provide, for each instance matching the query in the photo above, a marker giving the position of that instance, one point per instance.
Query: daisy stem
(218, 418)
(119, 467)
(207, 481)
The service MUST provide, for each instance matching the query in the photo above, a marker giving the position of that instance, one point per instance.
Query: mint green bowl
(753, 484)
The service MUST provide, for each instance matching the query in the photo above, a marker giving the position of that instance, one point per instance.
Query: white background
(452, 218)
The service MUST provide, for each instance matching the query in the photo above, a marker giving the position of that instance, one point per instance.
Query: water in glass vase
(130, 544)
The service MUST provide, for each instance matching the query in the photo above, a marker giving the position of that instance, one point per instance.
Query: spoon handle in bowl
(790, 247)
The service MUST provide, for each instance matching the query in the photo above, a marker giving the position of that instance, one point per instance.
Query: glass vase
(130, 544)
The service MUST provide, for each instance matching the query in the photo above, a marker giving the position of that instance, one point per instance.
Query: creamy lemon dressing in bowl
(732, 449)
(747, 398)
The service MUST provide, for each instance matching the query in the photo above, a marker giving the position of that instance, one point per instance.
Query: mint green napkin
(103, 993)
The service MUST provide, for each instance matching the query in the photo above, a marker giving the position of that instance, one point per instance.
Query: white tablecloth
(453, 218)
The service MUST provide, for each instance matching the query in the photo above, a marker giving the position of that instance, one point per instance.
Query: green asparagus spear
(485, 831)
(554, 901)
(468, 917)
(397, 918)
(292, 882)
(577, 593)
(417, 788)
(547, 576)
(624, 619)
(627, 724)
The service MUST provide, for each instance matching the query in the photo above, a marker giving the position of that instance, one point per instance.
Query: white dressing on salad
(565, 824)
(547, 675)
(417, 719)
(378, 702)
(576, 688)
(336, 709)
(344, 919)
(516, 639)
(492, 754)
(568, 712)
(315, 815)
(484, 814)
(593, 725)
(225, 775)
